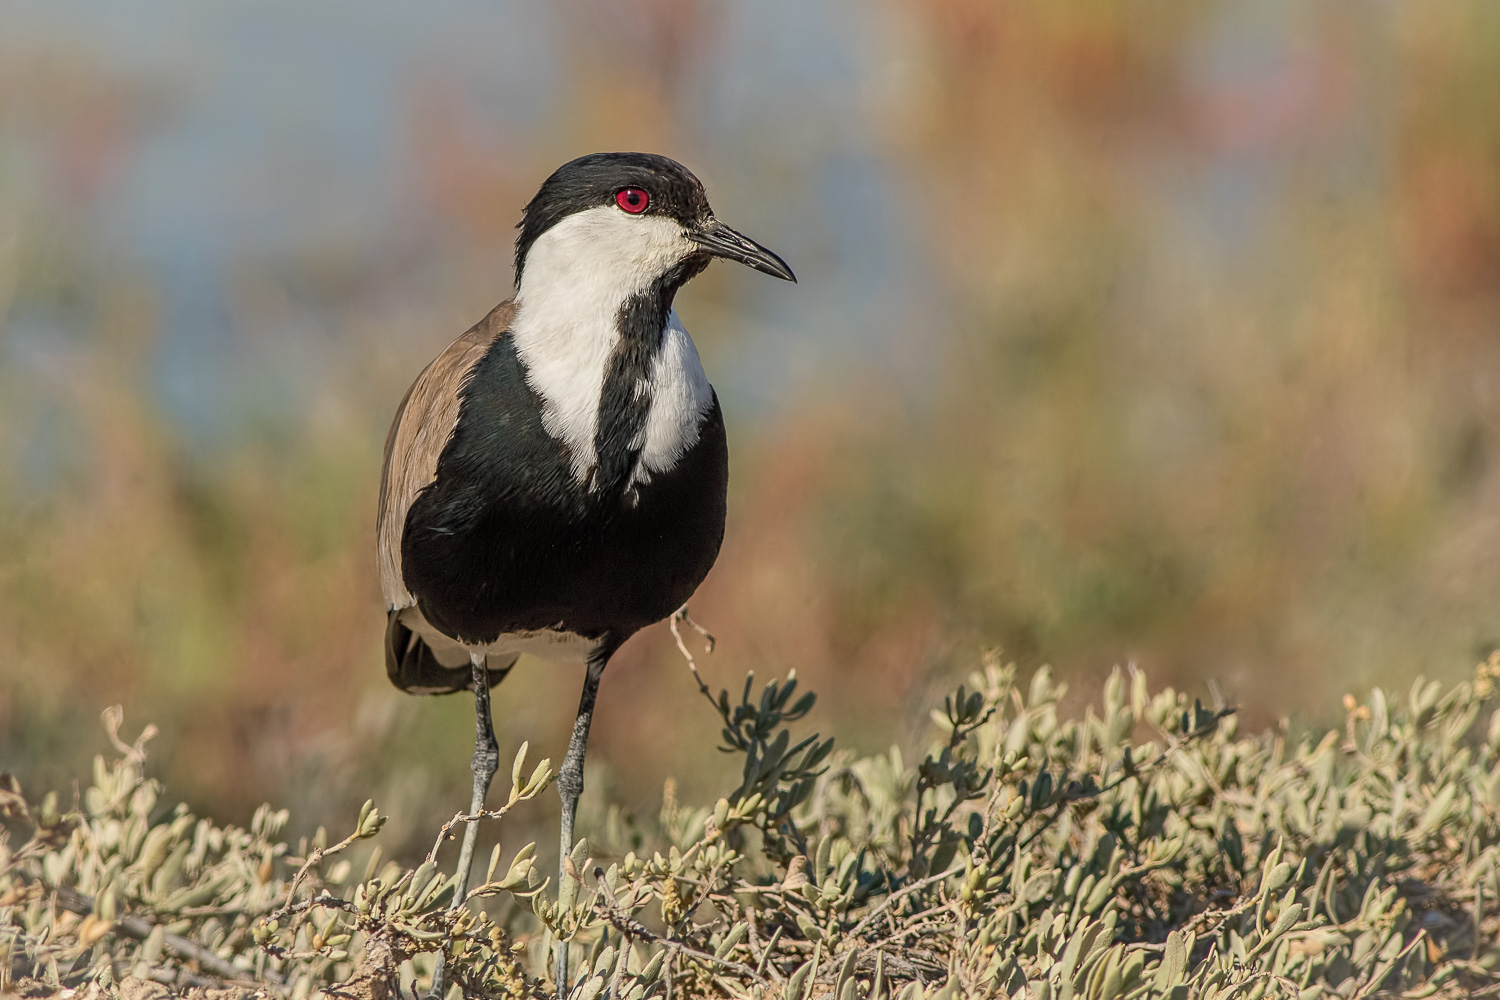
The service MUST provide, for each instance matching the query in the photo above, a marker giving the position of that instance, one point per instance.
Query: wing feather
(424, 422)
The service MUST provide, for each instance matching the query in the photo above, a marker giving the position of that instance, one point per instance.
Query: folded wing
(418, 658)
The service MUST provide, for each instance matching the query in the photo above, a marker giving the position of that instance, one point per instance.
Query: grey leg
(570, 786)
(486, 760)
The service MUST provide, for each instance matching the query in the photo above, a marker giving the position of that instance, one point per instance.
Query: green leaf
(517, 765)
(1173, 961)
(799, 986)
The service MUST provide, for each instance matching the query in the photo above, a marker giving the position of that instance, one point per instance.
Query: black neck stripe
(623, 403)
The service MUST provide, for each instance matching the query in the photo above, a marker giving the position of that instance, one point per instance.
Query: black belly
(504, 540)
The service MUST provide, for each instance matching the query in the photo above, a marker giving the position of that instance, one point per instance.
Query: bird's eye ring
(632, 200)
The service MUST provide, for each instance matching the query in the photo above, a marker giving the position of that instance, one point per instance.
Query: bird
(555, 480)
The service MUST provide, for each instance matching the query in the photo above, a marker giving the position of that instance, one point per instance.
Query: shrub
(1143, 849)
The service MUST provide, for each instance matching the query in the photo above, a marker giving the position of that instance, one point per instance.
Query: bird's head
(629, 221)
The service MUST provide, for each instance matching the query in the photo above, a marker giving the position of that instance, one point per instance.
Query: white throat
(577, 277)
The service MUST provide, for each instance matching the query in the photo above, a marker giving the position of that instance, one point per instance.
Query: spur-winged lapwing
(555, 480)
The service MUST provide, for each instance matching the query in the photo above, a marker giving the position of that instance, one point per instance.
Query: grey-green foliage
(1143, 849)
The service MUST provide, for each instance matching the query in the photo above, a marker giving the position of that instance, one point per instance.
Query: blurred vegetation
(1220, 394)
(1144, 850)
(1204, 380)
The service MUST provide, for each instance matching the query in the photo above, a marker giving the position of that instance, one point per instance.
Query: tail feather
(414, 667)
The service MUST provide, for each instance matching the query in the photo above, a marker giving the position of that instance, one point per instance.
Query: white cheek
(602, 254)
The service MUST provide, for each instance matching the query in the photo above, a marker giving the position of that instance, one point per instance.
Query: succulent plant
(1144, 849)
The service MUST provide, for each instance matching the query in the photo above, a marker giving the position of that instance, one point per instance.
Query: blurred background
(1164, 336)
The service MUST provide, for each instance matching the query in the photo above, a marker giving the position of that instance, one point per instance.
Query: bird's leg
(570, 786)
(484, 763)
(486, 760)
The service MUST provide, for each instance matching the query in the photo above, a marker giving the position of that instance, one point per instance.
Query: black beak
(721, 241)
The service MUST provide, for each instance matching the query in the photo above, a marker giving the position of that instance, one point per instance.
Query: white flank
(680, 396)
(577, 276)
(548, 644)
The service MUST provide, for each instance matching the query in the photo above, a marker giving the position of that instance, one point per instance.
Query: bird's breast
(625, 403)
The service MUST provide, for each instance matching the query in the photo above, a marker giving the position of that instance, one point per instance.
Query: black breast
(505, 540)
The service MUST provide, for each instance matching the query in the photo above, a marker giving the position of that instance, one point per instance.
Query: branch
(316, 856)
(908, 890)
(140, 929)
(1130, 770)
(446, 830)
(681, 615)
(630, 927)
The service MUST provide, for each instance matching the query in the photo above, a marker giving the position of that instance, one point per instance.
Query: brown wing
(424, 423)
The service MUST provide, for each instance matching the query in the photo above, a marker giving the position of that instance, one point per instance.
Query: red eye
(633, 200)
